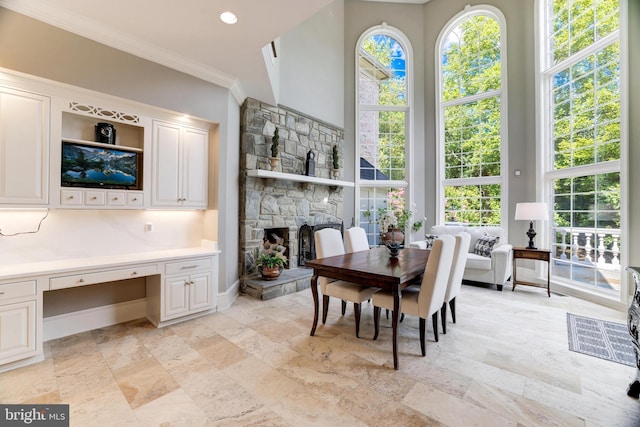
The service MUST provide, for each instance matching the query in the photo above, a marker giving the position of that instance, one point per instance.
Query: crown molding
(96, 31)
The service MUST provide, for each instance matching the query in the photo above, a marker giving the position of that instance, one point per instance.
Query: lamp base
(531, 233)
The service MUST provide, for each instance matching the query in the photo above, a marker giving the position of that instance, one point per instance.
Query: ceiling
(186, 36)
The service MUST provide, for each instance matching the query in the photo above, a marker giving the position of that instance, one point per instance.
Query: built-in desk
(180, 284)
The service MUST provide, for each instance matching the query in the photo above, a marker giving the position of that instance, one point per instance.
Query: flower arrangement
(395, 215)
(272, 255)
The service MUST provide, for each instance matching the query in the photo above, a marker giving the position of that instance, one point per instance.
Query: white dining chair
(426, 300)
(455, 278)
(355, 238)
(328, 243)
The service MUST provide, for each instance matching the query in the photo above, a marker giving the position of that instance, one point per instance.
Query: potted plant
(336, 162)
(271, 260)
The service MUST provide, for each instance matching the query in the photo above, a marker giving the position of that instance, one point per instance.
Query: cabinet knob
(93, 198)
(135, 199)
(134, 273)
(81, 280)
(70, 198)
(115, 198)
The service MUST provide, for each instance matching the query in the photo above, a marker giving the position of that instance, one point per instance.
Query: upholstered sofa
(485, 263)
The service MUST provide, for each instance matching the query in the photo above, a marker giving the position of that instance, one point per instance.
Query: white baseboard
(85, 320)
(226, 299)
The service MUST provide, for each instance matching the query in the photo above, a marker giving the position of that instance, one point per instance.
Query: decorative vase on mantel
(393, 240)
(270, 273)
(274, 162)
(336, 173)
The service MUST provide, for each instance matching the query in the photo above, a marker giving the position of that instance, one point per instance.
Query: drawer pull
(1, 293)
(135, 199)
(115, 198)
(94, 198)
(188, 266)
(134, 273)
(70, 198)
(81, 280)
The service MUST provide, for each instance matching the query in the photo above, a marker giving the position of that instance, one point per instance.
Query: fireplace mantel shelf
(261, 173)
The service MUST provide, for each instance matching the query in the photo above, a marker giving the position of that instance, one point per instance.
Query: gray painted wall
(312, 66)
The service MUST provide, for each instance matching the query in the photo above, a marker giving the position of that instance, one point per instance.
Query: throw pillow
(484, 245)
(429, 238)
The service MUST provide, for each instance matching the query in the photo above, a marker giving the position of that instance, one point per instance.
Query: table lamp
(531, 211)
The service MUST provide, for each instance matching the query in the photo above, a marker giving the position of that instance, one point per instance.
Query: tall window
(580, 82)
(472, 118)
(383, 93)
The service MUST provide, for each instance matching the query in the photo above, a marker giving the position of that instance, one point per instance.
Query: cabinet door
(17, 331)
(176, 297)
(200, 292)
(24, 142)
(195, 145)
(166, 184)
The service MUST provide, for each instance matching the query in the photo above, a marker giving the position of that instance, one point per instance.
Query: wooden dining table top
(373, 267)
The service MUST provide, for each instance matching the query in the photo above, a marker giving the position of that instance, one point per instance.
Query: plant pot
(274, 162)
(336, 173)
(270, 273)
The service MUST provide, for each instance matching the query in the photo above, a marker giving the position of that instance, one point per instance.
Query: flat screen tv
(85, 165)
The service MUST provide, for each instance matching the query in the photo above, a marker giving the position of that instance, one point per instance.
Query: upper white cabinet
(180, 166)
(24, 142)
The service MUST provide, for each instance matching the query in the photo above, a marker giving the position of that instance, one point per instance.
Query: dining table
(376, 268)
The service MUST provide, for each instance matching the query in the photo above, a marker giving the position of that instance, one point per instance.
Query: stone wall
(270, 203)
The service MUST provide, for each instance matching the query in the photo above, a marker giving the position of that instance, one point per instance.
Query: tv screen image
(94, 166)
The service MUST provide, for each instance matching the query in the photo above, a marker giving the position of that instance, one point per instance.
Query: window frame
(546, 173)
(408, 108)
(502, 93)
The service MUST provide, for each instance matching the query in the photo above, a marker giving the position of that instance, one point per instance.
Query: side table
(534, 254)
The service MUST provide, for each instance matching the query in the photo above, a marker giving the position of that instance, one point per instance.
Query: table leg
(394, 321)
(314, 292)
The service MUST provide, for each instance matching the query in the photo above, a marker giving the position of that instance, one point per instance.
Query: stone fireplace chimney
(282, 203)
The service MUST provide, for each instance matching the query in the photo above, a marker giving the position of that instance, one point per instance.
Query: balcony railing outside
(588, 256)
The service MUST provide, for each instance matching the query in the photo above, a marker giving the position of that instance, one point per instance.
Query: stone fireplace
(280, 205)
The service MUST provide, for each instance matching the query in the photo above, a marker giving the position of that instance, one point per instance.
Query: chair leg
(452, 305)
(422, 332)
(387, 312)
(434, 319)
(356, 311)
(376, 321)
(344, 307)
(443, 317)
(325, 308)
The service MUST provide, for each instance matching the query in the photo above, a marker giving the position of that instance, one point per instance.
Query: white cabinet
(18, 328)
(188, 287)
(180, 166)
(24, 148)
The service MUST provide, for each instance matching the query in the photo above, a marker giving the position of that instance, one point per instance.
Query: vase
(336, 173)
(274, 162)
(270, 273)
(393, 240)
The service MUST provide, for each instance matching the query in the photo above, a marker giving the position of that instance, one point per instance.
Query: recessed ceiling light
(228, 18)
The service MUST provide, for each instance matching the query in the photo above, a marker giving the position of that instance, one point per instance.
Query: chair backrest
(436, 276)
(457, 266)
(355, 238)
(328, 243)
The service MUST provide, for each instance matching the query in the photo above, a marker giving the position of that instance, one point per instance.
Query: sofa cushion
(478, 262)
(484, 245)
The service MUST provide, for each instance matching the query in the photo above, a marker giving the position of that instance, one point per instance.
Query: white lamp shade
(532, 211)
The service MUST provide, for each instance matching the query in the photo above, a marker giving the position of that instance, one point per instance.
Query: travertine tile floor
(505, 363)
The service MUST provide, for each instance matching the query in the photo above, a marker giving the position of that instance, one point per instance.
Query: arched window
(581, 145)
(383, 128)
(471, 125)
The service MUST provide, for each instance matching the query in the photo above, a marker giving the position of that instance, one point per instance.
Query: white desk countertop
(31, 269)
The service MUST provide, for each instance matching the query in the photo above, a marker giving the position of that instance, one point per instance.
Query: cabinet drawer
(531, 255)
(94, 198)
(101, 276)
(135, 198)
(71, 197)
(17, 290)
(189, 265)
(115, 198)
